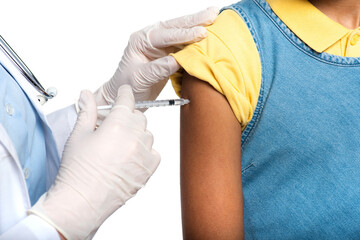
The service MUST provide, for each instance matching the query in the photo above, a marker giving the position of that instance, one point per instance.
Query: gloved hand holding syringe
(157, 103)
(109, 155)
(104, 110)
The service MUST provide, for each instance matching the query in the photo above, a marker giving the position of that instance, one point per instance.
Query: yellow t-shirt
(229, 61)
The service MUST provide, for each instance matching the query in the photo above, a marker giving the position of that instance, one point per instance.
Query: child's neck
(345, 12)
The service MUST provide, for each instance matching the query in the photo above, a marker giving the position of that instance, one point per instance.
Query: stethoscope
(45, 95)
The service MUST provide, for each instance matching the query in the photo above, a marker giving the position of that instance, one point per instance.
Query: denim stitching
(323, 57)
(246, 168)
(260, 103)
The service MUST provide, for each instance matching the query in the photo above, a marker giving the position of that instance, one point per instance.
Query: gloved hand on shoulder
(145, 65)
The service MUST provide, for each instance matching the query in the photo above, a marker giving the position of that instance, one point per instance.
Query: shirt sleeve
(62, 123)
(31, 228)
(228, 60)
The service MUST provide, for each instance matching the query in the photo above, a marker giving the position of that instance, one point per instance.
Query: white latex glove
(100, 169)
(146, 65)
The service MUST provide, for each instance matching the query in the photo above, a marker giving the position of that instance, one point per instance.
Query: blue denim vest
(301, 150)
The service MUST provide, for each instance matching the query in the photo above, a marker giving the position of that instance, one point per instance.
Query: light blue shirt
(24, 127)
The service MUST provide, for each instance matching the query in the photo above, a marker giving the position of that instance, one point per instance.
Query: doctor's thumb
(87, 115)
(125, 98)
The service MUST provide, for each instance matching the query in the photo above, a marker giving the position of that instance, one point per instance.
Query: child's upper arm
(223, 89)
(229, 61)
(211, 189)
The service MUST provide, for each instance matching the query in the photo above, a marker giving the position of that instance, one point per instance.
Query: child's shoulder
(227, 59)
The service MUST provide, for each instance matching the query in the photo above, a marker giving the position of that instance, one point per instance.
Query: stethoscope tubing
(24, 70)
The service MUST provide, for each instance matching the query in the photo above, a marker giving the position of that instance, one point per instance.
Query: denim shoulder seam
(260, 102)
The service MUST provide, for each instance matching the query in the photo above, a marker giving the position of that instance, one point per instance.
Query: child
(270, 143)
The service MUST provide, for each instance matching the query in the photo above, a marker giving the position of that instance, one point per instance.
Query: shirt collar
(312, 26)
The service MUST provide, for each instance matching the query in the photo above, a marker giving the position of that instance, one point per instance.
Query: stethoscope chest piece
(51, 92)
(42, 99)
(25, 71)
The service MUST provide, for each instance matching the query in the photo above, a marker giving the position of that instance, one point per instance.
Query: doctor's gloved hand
(146, 65)
(100, 169)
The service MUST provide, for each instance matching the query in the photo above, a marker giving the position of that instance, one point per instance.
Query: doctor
(101, 168)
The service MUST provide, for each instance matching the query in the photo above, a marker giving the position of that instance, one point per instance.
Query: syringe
(156, 103)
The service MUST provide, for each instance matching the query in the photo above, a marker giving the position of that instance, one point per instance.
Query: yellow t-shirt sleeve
(228, 60)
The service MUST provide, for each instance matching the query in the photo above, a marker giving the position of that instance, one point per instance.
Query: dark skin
(211, 189)
(345, 12)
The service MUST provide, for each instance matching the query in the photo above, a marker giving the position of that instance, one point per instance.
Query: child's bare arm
(211, 190)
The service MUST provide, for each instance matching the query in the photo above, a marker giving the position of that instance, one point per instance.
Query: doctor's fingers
(125, 98)
(153, 72)
(148, 139)
(152, 163)
(87, 115)
(165, 37)
(149, 159)
(202, 18)
(121, 120)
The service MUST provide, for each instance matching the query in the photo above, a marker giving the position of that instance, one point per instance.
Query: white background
(77, 44)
